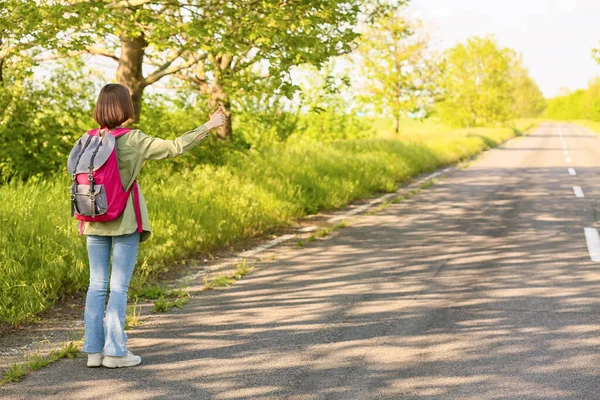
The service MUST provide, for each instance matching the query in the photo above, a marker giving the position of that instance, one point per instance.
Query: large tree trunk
(396, 124)
(1, 65)
(218, 97)
(129, 72)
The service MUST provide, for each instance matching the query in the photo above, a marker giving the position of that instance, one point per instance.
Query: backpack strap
(136, 206)
(118, 132)
(91, 175)
(74, 175)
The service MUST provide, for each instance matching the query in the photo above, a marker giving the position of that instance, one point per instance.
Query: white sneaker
(129, 360)
(94, 360)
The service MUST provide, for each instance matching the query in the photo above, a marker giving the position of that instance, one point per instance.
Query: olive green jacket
(133, 149)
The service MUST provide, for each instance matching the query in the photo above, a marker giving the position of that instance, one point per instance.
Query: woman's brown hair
(114, 106)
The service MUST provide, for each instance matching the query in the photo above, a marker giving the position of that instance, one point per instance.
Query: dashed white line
(568, 159)
(593, 243)
(566, 153)
(572, 172)
(578, 191)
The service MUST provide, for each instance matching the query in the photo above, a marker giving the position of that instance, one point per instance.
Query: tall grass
(593, 125)
(199, 210)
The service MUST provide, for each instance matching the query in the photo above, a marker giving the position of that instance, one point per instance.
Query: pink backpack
(97, 193)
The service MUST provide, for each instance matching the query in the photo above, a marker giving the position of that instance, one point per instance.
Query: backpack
(97, 193)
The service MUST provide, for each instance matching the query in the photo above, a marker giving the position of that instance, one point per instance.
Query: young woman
(105, 339)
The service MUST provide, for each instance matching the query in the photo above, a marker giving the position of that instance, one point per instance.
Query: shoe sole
(112, 366)
(94, 365)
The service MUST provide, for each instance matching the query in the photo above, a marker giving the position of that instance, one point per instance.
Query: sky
(554, 36)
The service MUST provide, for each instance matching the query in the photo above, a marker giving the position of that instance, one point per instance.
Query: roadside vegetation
(17, 371)
(582, 105)
(210, 206)
(302, 134)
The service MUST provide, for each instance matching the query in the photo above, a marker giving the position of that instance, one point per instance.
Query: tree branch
(202, 84)
(127, 3)
(99, 51)
(168, 69)
(4, 51)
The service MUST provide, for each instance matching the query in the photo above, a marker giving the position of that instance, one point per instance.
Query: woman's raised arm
(153, 148)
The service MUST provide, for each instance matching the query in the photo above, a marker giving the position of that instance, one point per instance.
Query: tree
(272, 36)
(134, 34)
(224, 39)
(580, 104)
(40, 121)
(399, 73)
(527, 99)
(568, 107)
(476, 84)
(596, 54)
(27, 27)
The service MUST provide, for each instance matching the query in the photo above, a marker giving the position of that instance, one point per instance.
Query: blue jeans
(107, 334)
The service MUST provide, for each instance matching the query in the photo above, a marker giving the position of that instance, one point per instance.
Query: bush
(40, 123)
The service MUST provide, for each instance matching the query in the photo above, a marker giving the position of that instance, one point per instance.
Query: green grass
(161, 305)
(593, 125)
(219, 281)
(132, 317)
(174, 298)
(149, 292)
(224, 280)
(70, 350)
(210, 207)
(36, 362)
(17, 371)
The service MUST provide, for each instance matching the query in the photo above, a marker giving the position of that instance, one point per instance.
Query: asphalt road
(480, 287)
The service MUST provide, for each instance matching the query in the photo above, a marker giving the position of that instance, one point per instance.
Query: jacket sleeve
(153, 148)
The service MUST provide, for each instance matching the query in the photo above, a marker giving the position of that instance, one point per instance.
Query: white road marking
(572, 172)
(307, 229)
(381, 199)
(265, 246)
(593, 243)
(568, 159)
(578, 191)
(566, 153)
(430, 177)
(358, 209)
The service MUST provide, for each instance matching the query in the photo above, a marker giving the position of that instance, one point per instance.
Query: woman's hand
(217, 119)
